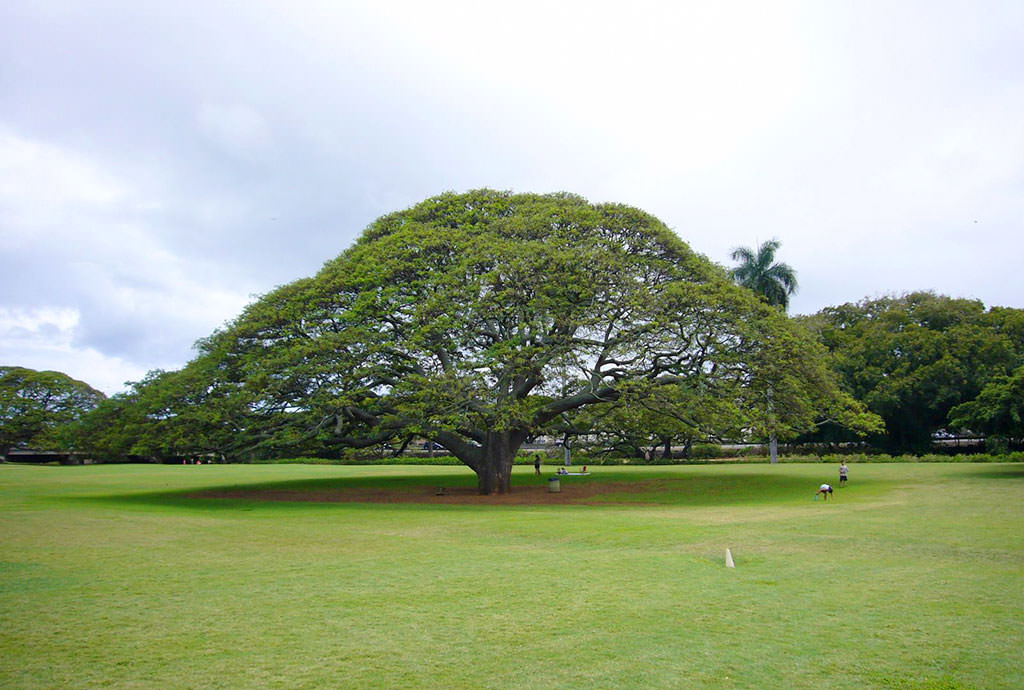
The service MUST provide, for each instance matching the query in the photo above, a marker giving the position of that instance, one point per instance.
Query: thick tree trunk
(494, 472)
(773, 448)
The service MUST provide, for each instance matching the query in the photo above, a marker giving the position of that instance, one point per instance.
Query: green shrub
(706, 451)
(997, 445)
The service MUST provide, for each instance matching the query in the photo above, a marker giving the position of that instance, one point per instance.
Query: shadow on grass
(1008, 471)
(643, 486)
(748, 487)
(289, 493)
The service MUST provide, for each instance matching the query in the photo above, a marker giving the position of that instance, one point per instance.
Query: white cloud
(92, 287)
(41, 173)
(237, 129)
(37, 324)
(44, 339)
(44, 187)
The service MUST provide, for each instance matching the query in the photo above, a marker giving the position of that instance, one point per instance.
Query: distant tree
(758, 271)
(35, 405)
(913, 358)
(480, 320)
(997, 411)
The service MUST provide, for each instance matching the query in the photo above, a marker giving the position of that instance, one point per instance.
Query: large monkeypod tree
(478, 320)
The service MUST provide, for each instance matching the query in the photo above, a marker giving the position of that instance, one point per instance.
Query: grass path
(111, 576)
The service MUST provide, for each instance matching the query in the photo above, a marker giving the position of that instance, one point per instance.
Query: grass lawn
(119, 576)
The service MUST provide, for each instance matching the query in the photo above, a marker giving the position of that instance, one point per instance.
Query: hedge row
(526, 458)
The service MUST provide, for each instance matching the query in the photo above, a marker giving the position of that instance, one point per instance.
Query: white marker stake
(728, 559)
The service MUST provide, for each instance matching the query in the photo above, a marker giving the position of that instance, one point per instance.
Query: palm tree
(774, 282)
(757, 271)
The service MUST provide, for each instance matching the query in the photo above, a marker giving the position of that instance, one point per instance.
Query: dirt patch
(579, 493)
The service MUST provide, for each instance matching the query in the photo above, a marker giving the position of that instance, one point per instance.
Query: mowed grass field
(119, 576)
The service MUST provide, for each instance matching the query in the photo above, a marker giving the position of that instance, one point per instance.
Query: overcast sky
(161, 163)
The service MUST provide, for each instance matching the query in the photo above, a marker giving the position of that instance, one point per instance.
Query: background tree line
(924, 363)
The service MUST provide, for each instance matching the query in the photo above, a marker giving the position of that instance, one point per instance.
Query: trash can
(554, 485)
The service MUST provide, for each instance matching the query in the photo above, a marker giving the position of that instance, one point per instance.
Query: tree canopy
(36, 405)
(997, 411)
(480, 320)
(913, 358)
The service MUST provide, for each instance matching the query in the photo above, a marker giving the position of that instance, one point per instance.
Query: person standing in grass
(536, 463)
(842, 474)
(825, 490)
